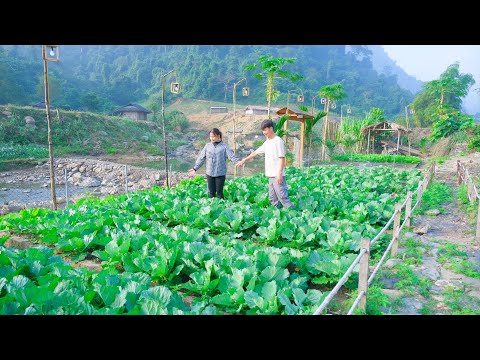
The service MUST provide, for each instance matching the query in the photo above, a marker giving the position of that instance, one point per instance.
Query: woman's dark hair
(267, 123)
(215, 131)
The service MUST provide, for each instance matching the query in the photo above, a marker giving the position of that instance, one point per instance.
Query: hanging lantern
(300, 98)
(323, 100)
(175, 88)
(334, 106)
(245, 91)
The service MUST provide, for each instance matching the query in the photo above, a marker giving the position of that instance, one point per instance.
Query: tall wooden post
(325, 128)
(302, 139)
(234, 127)
(163, 127)
(49, 128)
(234, 121)
(285, 125)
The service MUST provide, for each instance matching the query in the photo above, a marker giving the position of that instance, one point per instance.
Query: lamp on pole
(311, 132)
(313, 104)
(408, 109)
(300, 99)
(326, 107)
(245, 92)
(53, 55)
(349, 110)
(174, 88)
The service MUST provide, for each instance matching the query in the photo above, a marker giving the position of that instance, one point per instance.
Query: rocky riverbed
(74, 178)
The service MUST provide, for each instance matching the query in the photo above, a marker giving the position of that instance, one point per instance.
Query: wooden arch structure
(372, 130)
(296, 115)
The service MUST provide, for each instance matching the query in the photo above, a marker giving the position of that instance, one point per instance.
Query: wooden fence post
(396, 228)
(470, 192)
(408, 208)
(363, 274)
(419, 192)
(459, 177)
(425, 182)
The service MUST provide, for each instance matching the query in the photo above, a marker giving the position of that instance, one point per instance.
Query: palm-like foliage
(272, 68)
(279, 130)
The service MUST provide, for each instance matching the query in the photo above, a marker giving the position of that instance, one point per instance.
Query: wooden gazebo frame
(379, 127)
(300, 116)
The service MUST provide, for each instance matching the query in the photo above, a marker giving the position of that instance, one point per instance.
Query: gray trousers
(278, 193)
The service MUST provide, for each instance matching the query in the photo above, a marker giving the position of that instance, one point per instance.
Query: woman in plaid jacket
(215, 154)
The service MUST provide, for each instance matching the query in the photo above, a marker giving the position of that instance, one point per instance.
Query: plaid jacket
(216, 158)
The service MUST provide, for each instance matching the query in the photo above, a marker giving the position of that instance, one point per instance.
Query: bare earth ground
(424, 278)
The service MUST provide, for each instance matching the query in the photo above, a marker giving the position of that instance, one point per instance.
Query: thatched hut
(373, 130)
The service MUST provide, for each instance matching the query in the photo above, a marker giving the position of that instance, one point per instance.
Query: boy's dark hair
(267, 123)
(215, 131)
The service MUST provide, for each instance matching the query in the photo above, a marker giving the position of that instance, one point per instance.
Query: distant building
(132, 111)
(218, 109)
(258, 110)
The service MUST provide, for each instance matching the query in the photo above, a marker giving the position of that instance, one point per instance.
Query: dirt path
(437, 272)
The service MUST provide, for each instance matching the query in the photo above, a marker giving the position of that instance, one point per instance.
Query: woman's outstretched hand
(191, 172)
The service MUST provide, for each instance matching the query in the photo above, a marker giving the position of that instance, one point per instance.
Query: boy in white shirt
(274, 151)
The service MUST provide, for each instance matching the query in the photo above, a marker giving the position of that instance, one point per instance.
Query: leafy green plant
(272, 68)
(377, 158)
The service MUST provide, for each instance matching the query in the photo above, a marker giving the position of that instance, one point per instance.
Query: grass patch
(413, 251)
(457, 260)
(436, 195)
(460, 303)
(411, 283)
(80, 133)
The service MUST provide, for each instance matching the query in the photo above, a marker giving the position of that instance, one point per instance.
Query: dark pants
(215, 186)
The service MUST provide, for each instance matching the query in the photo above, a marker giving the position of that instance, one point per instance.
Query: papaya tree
(330, 93)
(272, 68)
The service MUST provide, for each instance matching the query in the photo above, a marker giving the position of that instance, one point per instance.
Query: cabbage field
(176, 251)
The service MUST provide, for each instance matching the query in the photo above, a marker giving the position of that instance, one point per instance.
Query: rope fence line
(464, 177)
(363, 257)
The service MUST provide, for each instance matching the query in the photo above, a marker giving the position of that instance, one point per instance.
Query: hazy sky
(427, 62)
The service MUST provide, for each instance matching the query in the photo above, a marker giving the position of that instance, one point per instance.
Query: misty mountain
(383, 64)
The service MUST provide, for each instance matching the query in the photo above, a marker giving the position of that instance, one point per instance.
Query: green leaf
(253, 300)
(269, 290)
